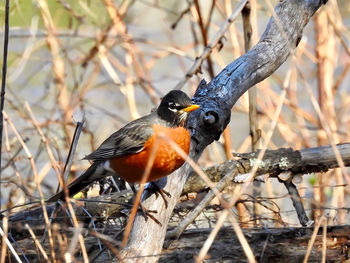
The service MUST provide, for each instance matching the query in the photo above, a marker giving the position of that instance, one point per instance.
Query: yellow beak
(191, 108)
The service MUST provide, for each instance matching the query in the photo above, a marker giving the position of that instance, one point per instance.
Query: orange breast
(131, 167)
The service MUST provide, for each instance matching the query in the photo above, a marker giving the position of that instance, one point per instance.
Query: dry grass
(115, 59)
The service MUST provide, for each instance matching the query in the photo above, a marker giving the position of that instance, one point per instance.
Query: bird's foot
(148, 214)
(159, 192)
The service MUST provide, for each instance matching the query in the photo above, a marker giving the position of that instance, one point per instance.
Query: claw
(148, 214)
(160, 192)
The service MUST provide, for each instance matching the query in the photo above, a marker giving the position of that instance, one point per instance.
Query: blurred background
(113, 60)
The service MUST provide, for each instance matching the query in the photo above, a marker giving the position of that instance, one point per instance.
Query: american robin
(127, 150)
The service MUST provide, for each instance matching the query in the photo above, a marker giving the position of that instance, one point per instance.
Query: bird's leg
(153, 187)
(145, 212)
(148, 214)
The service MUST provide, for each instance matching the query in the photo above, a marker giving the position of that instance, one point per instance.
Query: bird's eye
(172, 106)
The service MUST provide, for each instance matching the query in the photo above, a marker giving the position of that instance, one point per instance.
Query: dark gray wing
(129, 139)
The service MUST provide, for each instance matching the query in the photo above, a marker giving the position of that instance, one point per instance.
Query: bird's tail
(95, 172)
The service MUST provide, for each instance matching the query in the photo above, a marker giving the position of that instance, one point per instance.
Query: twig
(207, 50)
(252, 94)
(8, 243)
(297, 203)
(204, 32)
(36, 179)
(132, 56)
(44, 139)
(68, 202)
(324, 241)
(92, 221)
(13, 157)
(37, 243)
(4, 238)
(181, 15)
(175, 233)
(109, 244)
(264, 248)
(329, 133)
(72, 149)
(4, 70)
(244, 243)
(206, 246)
(313, 238)
(58, 66)
(13, 241)
(73, 243)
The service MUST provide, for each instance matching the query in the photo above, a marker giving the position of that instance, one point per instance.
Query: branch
(318, 159)
(196, 67)
(269, 245)
(216, 99)
(4, 70)
(275, 162)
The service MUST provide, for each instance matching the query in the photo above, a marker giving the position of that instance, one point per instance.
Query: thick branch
(216, 100)
(269, 245)
(274, 163)
(318, 159)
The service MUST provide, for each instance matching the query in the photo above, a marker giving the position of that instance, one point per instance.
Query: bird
(127, 150)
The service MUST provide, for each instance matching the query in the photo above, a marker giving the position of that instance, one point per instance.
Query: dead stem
(313, 238)
(37, 243)
(207, 50)
(36, 180)
(58, 66)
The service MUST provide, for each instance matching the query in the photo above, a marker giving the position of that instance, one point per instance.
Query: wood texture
(318, 159)
(216, 99)
(270, 245)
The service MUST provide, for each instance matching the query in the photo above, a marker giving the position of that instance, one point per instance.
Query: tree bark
(275, 162)
(216, 99)
(269, 245)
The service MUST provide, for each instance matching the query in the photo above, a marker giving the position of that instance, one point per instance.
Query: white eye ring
(172, 106)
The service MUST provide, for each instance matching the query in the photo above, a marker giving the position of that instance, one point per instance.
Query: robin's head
(174, 108)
